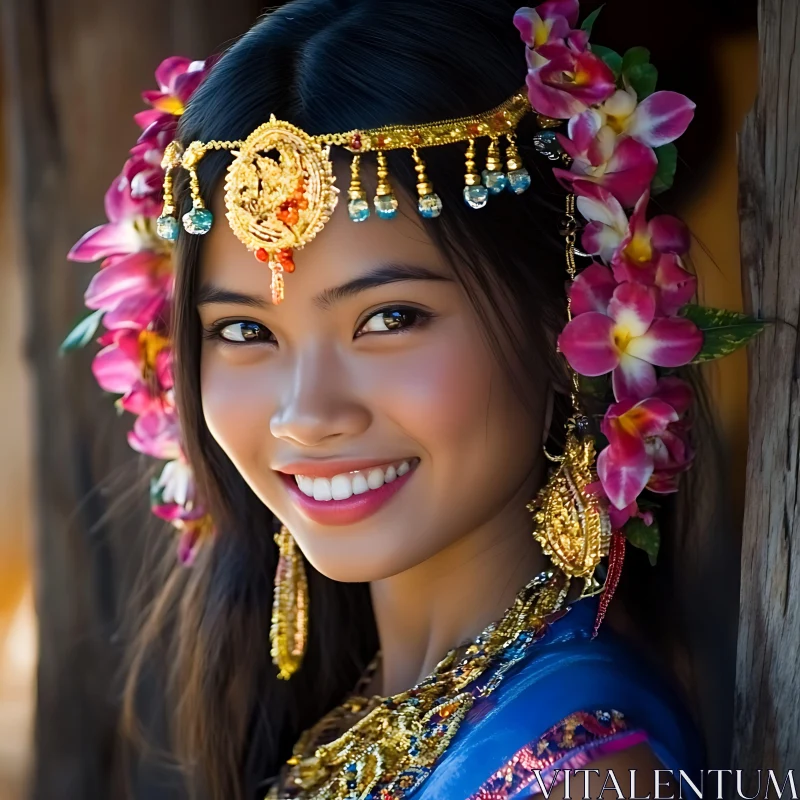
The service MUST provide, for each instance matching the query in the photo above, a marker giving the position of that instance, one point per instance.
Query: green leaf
(643, 78)
(610, 57)
(635, 57)
(667, 156)
(598, 387)
(723, 331)
(645, 537)
(83, 332)
(588, 23)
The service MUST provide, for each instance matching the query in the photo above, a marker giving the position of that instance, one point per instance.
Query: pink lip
(345, 512)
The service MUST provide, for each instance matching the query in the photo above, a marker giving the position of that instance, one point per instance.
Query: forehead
(341, 251)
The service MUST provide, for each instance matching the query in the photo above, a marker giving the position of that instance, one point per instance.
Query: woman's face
(367, 410)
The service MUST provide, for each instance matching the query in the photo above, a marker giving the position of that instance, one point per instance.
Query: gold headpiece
(280, 190)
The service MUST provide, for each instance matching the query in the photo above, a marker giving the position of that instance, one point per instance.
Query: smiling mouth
(348, 498)
(347, 484)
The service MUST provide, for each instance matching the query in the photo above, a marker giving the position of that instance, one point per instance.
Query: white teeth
(375, 478)
(344, 486)
(322, 489)
(306, 484)
(360, 484)
(341, 487)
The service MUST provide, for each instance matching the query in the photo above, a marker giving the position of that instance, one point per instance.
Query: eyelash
(214, 331)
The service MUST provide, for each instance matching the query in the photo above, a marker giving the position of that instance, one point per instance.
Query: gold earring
(571, 522)
(288, 633)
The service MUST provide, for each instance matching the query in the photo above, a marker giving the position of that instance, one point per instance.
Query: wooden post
(767, 710)
(74, 71)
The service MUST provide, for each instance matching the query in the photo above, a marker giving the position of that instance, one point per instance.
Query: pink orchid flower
(659, 119)
(137, 365)
(134, 290)
(127, 231)
(616, 330)
(638, 250)
(634, 431)
(619, 164)
(565, 79)
(177, 79)
(156, 433)
(673, 454)
(551, 21)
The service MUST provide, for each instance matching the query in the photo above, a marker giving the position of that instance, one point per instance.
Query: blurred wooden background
(72, 74)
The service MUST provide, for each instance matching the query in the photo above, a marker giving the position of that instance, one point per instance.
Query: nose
(320, 405)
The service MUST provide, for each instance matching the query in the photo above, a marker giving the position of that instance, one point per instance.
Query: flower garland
(631, 317)
(131, 296)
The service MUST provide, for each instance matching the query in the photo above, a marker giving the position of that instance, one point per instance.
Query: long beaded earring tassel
(430, 204)
(289, 628)
(475, 193)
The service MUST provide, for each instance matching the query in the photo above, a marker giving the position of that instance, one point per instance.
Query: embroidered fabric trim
(572, 743)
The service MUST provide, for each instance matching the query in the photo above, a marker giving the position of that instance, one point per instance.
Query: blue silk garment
(571, 700)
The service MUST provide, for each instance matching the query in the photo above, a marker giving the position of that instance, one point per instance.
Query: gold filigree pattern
(570, 522)
(279, 193)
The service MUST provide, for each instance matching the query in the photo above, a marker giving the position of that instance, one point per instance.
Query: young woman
(380, 398)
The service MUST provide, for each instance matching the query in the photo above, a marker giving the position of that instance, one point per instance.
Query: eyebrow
(393, 272)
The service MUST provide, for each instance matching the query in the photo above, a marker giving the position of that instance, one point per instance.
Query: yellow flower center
(150, 345)
(640, 249)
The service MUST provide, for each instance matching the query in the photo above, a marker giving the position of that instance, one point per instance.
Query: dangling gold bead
(385, 201)
(357, 207)
(199, 219)
(475, 193)
(519, 178)
(289, 628)
(494, 178)
(167, 224)
(430, 204)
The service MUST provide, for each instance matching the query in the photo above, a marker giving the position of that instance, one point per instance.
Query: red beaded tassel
(616, 555)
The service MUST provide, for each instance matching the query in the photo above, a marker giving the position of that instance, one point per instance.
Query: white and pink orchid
(549, 22)
(621, 165)
(659, 119)
(615, 329)
(646, 446)
(638, 250)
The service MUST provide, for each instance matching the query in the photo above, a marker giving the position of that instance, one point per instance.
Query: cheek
(236, 404)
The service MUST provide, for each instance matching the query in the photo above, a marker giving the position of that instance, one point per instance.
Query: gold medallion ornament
(279, 190)
(279, 194)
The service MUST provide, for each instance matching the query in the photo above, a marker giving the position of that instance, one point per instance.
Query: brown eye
(391, 319)
(245, 332)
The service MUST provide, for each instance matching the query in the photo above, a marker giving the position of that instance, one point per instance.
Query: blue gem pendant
(430, 204)
(494, 178)
(357, 206)
(198, 220)
(518, 178)
(167, 227)
(475, 194)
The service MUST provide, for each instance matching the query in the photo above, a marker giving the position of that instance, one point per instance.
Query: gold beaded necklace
(383, 748)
